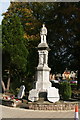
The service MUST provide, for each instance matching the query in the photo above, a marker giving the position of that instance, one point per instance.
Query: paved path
(9, 112)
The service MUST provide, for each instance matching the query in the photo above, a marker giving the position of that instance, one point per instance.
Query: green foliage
(62, 20)
(14, 50)
(65, 90)
(0, 33)
(13, 42)
(31, 31)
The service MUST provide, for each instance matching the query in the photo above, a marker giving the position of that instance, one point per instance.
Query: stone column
(46, 57)
(43, 57)
(43, 87)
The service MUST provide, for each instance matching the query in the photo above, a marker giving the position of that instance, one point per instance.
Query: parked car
(64, 81)
(55, 81)
(73, 81)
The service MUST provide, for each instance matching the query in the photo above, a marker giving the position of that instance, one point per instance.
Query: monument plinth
(43, 85)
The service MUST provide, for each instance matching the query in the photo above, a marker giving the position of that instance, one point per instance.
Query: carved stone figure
(43, 34)
(43, 57)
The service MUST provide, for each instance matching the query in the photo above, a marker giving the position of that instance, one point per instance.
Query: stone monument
(43, 87)
(21, 92)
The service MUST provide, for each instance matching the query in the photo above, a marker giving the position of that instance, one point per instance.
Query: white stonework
(53, 94)
(33, 95)
(43, 34)
(43, 83)
(43, 57)
(21, 92)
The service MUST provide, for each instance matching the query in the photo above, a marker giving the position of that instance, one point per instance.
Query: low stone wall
(57, 106)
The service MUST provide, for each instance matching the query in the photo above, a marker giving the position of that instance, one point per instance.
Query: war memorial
(43, 96)
(43, 87)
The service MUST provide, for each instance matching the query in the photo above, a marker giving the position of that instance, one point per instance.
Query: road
(9, 112)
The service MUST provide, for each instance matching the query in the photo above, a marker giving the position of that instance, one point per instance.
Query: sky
(4, 4)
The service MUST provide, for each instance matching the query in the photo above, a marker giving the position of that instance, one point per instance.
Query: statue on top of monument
(43, 34)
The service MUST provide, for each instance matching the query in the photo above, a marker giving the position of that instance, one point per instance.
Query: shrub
(65, 90)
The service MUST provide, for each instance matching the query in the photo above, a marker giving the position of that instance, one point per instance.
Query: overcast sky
(4, 4)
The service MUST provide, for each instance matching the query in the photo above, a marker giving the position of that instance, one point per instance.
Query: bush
(65, 90)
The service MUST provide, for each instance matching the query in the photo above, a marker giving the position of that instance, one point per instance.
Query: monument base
(43, 82)
(58, 106)
(42, 96)
(33, 95)
(51, 95)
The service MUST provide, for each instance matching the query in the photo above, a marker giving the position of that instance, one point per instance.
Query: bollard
(76, 113)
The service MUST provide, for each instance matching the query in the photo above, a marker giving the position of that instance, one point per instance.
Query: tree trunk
(3, 85)
(8, 83)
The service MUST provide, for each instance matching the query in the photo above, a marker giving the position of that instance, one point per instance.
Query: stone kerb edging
(63, 106)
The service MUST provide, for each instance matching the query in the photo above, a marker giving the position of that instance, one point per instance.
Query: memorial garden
(40, 55)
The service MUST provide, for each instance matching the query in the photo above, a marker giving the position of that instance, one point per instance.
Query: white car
(55, 81)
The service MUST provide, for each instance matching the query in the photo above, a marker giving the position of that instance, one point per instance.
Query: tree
(14, 48)
(62, 21)
(31, 30)
(65, 90)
